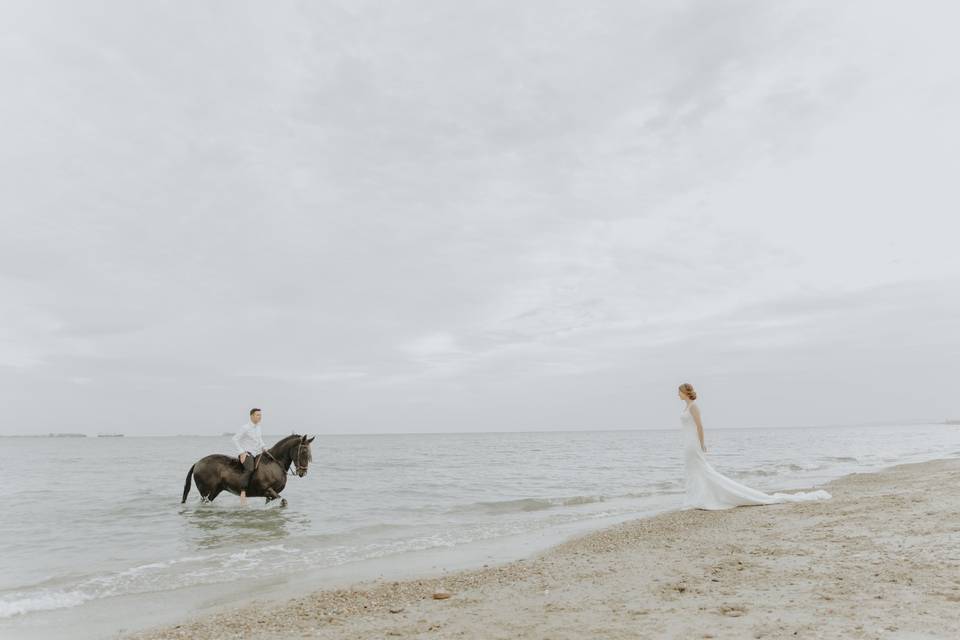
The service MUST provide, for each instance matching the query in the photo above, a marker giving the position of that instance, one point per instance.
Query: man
(247, 440)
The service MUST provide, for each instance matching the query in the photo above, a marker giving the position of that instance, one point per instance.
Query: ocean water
(95, 525)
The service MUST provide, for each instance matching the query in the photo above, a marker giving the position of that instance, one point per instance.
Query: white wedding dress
(709, 489)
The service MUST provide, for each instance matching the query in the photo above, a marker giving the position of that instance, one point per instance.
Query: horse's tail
(186, 485)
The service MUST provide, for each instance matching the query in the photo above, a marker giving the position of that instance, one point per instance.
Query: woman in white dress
(708, 489)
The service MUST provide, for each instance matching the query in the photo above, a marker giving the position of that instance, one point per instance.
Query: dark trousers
(248, 467)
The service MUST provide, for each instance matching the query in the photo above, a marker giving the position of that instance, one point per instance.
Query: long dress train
(706, 488)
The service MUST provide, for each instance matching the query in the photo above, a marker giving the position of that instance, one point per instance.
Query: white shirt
(249, 439)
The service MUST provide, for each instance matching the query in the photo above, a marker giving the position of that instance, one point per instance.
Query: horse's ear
(303, 439)
(311, 440)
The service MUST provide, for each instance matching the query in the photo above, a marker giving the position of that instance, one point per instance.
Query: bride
(709, 489)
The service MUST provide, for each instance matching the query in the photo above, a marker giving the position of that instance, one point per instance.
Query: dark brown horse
(217, 472)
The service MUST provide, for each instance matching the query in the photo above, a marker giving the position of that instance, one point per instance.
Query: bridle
(296, 462)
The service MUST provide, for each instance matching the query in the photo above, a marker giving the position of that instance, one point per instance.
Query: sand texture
(879, 560)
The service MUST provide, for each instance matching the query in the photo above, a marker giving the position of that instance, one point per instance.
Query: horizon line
(77, 434)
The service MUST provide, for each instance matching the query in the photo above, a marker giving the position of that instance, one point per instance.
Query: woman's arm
(695, 412)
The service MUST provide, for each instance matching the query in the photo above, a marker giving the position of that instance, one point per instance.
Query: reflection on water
(215, 527)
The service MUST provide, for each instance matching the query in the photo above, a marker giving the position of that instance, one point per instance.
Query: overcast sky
(459, 216)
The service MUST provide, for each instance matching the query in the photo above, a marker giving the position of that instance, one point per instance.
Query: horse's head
(301, 455)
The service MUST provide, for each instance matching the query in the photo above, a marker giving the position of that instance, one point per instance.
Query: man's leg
(248, 465)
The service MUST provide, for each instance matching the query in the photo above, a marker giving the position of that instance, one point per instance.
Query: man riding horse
(264, 475)
(247, 440)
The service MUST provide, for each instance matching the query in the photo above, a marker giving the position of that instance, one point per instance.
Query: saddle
(256, 459)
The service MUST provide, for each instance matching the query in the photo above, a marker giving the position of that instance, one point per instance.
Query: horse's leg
(273, 495)
(213, 494)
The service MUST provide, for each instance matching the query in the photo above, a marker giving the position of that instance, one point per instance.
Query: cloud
(464, 216)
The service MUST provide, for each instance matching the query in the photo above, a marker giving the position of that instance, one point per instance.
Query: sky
(415, 216)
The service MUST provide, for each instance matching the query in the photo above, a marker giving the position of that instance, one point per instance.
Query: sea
(96, 543)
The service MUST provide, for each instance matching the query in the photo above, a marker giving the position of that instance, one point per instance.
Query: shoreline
(878, 560)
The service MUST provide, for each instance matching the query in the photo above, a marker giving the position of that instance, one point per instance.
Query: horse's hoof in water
(283, 502)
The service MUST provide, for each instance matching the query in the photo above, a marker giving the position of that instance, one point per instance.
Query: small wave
(41, 600)
(368, 530)
(804, 467)
(761, 472)
(768, 471)
(667, 484)
(145, 578)
(529, 504)
(841, 459)
(575, 500)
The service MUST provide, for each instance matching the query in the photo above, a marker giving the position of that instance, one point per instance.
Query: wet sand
(879, 560)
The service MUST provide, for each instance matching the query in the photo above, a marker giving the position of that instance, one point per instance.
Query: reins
(294, 461)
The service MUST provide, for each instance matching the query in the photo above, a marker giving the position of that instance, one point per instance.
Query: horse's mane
(284, 443)
(286, 439)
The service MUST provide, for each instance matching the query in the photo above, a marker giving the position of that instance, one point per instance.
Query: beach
(879, 560)
(389, 507)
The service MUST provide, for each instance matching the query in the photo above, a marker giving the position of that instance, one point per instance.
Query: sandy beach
(879, 560)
